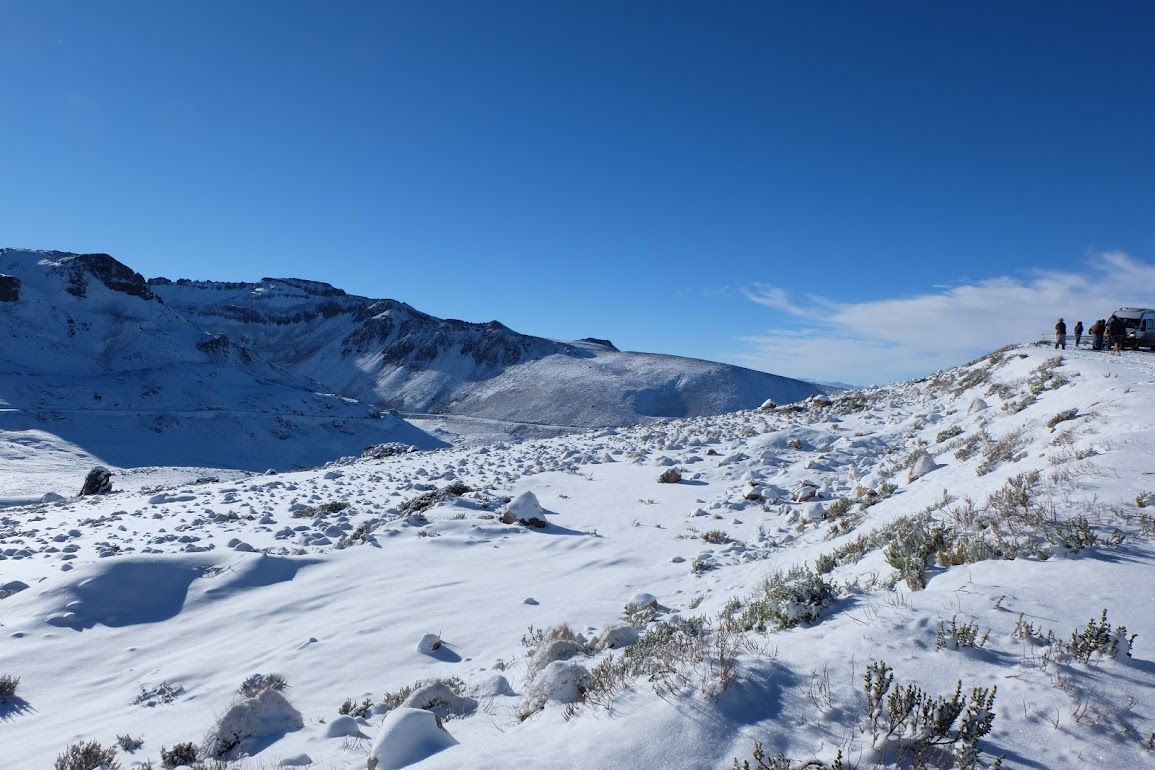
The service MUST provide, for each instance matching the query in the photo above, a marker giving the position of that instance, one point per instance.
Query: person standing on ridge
(1078, 332)
(1061, 335)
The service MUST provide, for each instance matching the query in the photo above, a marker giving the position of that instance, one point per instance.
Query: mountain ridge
(92, 341)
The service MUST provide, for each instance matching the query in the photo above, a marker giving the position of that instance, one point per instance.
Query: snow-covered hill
(96, 368)
(286, 373)
(387, 353)
(817, 578)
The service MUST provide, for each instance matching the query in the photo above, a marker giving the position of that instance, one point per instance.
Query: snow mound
(526, 506)
(267, 715)
(408, 736)
(562, 681)
(440, 698)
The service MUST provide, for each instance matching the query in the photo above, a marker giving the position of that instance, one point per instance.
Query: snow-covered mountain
(95, 364)
(288, 372)
(387, 353)
(931, 574)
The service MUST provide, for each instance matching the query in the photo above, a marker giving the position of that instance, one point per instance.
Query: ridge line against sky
(834, 191)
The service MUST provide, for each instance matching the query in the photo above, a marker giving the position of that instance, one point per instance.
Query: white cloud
(771, 296)
(885, 340)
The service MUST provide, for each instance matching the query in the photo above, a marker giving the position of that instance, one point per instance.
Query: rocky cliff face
(83, 268)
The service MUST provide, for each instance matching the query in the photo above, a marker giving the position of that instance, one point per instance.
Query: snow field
(198, 586)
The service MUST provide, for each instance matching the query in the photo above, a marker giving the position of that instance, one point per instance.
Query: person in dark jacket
(1117, 329)
(1061, 335)
(1078, 332)
(1098, 329)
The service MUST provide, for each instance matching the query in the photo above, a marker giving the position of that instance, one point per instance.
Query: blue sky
(809, 188)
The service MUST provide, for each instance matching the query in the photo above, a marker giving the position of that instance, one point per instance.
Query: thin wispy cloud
(772, 296)
(886, 340)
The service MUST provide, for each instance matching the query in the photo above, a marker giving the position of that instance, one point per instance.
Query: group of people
(1112, 327)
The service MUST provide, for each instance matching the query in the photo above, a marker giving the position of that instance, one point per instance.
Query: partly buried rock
(800, 493)
(437, 696)
(670, 476)
(97, 482)
(922, 466)
(642, 601)
(617, 636)
(429, 643)
(524, 507)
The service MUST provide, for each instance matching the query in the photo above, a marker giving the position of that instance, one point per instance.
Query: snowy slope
(1016, 488)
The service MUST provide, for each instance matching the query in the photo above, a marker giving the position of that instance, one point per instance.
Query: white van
(1140, 323)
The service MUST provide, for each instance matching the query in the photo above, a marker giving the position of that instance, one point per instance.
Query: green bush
(180, 754)
(352, 708)
(784, 601)
(87, 756)
(8, 686)
(256, 683)
(966, 635)
(948, 433)
(913, 543)
(1098, 639)
(1066, 414)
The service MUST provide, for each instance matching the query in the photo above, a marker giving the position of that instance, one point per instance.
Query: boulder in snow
(922, 466)
(641, 601)
(437, 696)
(976, 406)
(617, 637)
(97, 482)
(524, 506)
(813, 512)
(670, 476)
(429, 643)
(802, 492)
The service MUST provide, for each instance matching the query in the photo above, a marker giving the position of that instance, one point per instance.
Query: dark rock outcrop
(9, 288)
(97, 482)
(113, 274)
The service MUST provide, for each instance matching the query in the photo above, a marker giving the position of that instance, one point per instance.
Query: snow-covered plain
(141, 612)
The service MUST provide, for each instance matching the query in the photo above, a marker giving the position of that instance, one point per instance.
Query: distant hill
(286, 372)
(387, 353)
